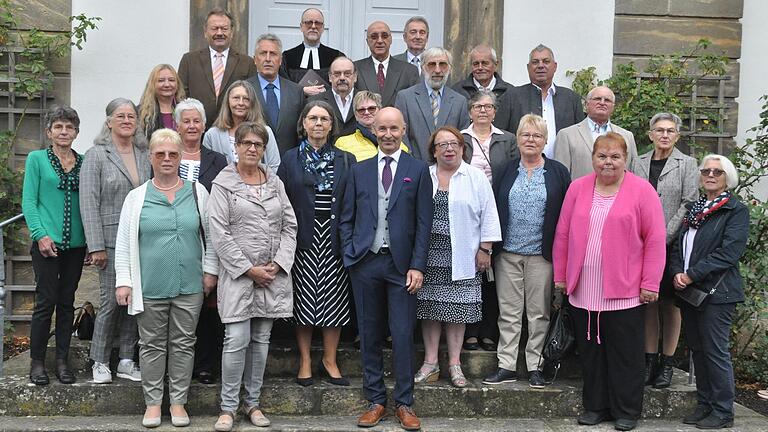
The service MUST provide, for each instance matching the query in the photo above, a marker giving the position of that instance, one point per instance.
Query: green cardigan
(43, 202)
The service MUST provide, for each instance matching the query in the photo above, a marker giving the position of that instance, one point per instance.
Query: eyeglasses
(661, 131)
(163, 155)
(124, 117)
(247, 144)
(321, 119)
(601, 99)
(433, 64)
(445, 145)
(374, 36)
(483, 107)
(315, 23)
(525, 136)
(339, 74)
(369, 110)
(706, 172)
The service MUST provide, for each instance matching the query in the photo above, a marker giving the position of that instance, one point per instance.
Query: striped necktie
(435, 106)
(218, 72)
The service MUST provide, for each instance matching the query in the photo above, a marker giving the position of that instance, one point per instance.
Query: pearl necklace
(191, 153)
(178, 181)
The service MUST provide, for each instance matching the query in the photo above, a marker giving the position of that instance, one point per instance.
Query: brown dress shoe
(407, 418)
(372, 416)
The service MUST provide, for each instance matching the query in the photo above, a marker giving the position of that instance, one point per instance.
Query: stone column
(470, 23)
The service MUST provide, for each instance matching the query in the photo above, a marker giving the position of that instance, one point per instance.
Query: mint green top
(170, 252)
(43, 202)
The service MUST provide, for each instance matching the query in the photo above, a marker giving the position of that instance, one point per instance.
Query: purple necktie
(386, 174)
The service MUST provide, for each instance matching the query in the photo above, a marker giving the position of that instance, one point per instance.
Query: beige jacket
(574, 144)
(247, 230)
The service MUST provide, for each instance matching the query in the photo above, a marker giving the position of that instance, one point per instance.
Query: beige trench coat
(247, 230)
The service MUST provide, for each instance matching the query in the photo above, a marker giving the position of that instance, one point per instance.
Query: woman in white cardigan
(241, 105)
(165, 265)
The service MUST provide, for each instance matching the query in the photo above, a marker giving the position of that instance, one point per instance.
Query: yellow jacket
(360, 146)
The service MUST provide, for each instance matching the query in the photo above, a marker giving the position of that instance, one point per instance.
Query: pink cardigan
(633, 238)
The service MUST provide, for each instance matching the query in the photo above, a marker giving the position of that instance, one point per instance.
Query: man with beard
(342, 76)
(429, 105)
(207, 73)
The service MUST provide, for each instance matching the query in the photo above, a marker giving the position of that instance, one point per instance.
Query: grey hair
(186, 105)
(666, 116)
(481, 94)
(480, 48)
(412, 19)
(731, 175)
(105, 135)
(540, 48)
(435, 52)
(589, 95)
(271, 37)
(62, 113)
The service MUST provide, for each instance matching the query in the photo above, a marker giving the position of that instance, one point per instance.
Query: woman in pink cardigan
(609, 257)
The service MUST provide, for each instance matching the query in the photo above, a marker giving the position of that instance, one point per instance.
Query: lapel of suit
(207, 67)
(425, 106)
(673, 162)
(113, 156)
(390, 82)
(586, 135)
(370, 173)
(446, 105)
(232, 59)
(283, 103)
(403, 166)
(368, 74)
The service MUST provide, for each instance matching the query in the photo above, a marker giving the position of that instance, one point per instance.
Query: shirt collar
(213, 52)
(409, 56)
(606, 127)
(338, 97)
(311, 46)
(463, 170)
(430, 90)
(552, 89)
(471, 132)
(376, 63)
(491, 85)
(395, 155)
(263, 82)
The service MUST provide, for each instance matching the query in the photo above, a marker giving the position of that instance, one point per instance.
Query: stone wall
(468, 24)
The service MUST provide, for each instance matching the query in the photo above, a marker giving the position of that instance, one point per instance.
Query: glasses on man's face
(483, 107)
(445, 145)
(172, 155)
(339, 74)
(313, 23)
(706, 172)
(375, 36)
(662, 131)
(258, 145)
(605, 100)
(369, 110)
(525, 136)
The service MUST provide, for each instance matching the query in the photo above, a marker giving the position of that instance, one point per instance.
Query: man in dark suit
(416, 36)
(484, 62)
(342, 76)
(430, 104)
(208, 72)
(310, 54)
(281, 99)
(380, 73)
(386, 266)
(559, 106)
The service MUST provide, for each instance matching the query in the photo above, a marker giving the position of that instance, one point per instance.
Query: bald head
(389, 127)
(379, 39)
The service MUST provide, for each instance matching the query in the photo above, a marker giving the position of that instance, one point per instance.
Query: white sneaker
(128, 369)
(101, 373)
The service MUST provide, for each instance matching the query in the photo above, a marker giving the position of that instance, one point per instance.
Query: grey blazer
(291, 104)
(218, 140)
(678, 185)
(502, 149)
(416, 106)
(400, 75)
(573, 148)
(104, 184)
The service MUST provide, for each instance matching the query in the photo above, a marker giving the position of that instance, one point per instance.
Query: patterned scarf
(316, 163)
(701, 210)
(68, 182)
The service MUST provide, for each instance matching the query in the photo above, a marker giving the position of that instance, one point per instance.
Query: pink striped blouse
(589, 291)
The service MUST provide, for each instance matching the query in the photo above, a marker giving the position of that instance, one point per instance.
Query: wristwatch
(488, 251)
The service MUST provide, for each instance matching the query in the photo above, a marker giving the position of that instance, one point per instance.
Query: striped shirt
(589, 291)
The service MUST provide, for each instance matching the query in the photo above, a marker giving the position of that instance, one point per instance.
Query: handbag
(85, 320)
(694, 296)
(560, 339)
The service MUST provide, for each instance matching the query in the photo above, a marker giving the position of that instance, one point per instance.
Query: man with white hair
(484, 76)
(573, 146)
(429, 105)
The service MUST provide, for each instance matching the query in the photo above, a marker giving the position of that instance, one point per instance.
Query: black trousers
(488, 327)
(210, 339)
(613, 368)
(56, 280)
(707, 333)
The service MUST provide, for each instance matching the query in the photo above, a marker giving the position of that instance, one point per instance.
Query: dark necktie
(273, 109)
(380, 78)
(386, 174)
(311, 61)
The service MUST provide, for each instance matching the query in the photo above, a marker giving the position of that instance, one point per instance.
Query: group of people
(233, 196)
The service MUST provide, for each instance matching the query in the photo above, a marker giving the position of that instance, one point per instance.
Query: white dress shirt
(212, 53)
(343, 107)
(376, 65)
(472, 214)
(490, 87)
(392, 165)
(548, 112)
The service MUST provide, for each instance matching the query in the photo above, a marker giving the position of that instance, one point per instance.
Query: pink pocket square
(407, 180)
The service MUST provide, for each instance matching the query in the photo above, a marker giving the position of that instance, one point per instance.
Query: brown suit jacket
(196, 74)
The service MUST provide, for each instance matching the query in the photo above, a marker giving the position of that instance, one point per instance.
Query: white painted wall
(133, 37)
(580, 35)
(754, 64)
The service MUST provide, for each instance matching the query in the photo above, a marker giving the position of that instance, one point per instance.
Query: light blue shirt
(597, 130)
(527, 202)
(439, 94)
(263, 86)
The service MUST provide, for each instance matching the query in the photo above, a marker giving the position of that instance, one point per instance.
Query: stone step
(281, 396)
(746, 421)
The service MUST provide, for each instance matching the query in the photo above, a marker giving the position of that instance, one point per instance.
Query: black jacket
(503, 99)
(719, 244)
(300, 188)
(527, 99)
(501, 150)
(556, 179)
(211, 163)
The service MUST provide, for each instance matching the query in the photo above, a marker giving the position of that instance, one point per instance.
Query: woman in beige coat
(253, 228)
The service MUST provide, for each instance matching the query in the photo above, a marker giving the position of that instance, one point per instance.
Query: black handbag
(560, 340)
(694, 296)
(85, 321)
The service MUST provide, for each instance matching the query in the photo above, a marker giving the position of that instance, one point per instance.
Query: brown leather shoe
(372, 417)
(407, 418)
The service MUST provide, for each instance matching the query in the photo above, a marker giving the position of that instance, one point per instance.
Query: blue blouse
(527, 202)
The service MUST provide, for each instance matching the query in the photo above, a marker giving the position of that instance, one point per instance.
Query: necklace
(191, 153)
(178, 180)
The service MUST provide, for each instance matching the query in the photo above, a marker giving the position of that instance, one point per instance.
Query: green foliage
(661, 86)
(34, 77)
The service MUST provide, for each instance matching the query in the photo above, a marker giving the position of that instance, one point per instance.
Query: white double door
(345, 21)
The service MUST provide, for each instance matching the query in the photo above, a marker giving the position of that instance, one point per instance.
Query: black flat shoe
(305, 382)
(714, 422)
(697, 415)
(486, 345)
(591, 418)
(470, 346)
(340, 381)
(37, 373)
(625, 424)
(63, 373)
(206, 378)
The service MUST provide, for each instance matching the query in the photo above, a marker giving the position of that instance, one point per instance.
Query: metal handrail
(3, 224)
